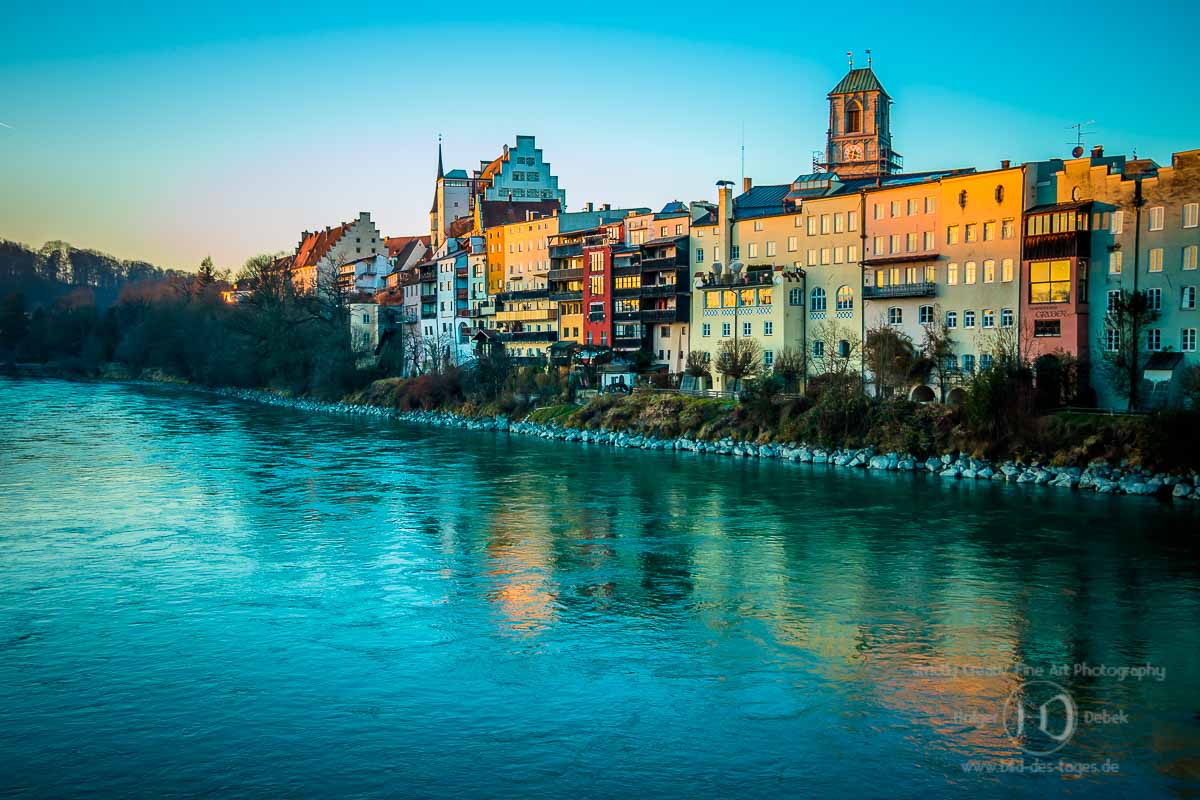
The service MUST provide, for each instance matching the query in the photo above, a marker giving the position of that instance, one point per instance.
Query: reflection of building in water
(520, 563)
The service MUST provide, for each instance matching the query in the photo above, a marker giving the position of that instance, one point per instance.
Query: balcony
(662, 290)
(531, 315)
(528, 336)
(463, 312)
(626, 269)
(900, 290)
(626, 316)
(660, 315)
(485, 309)
(522, 294)
(566, 295)
(460, 294)
(663, 262)
(628, 291)
(574, 274)
(595, 316)
(566, 250)
(627, 343)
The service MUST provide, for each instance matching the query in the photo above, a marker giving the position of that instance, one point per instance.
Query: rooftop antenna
(850, 58)
(1079, 127)
(868, 58)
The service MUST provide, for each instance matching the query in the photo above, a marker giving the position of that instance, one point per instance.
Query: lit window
(753, 250)
(952, 274)
(1007, 228)
(972, 232)
(952, 234)
(1114, 262)
(1006, 270)
(1156, 260)
(910, 243)
(1156, 218)
(928, 240)
(989, 231)
(1191, 215)
(845, 298)
(880, 245)
(1189, 256)
(1050, 281)
(989, 271)
(969, 273)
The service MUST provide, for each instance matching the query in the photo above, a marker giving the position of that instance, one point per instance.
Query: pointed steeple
(440, 174)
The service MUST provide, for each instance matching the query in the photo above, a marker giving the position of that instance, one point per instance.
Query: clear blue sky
(166, 133)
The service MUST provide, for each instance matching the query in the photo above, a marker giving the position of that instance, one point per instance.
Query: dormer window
(853, 117)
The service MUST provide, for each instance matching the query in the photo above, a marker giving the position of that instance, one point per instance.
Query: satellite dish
(1078, 151)
(718, 268)
(700, 282)
(735, 268)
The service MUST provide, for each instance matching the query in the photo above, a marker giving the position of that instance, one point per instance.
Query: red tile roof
(398, 246)
(314, 246)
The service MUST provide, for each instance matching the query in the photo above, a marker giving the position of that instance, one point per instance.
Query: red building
(1054, 275)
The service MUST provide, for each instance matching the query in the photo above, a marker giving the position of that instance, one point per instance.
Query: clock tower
(859, 141)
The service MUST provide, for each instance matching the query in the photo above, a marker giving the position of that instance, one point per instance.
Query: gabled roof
(314, 246)
(859, 80)
(461, 226)
(503, 212)
(674, 207)
(400, 247)
(760, 200)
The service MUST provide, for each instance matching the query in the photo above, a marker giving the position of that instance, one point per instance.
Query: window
(817, 299)
(726, 329)
(1188, 297)
(768, 328)
(894, 208)
(716, 252)
(757, 225)
(706, 329)
(951, 319)
(699, 255)
(1114, 297)
(796, 297)
(1050, 281)
(1189, 256)
(895, 315)
(843, 348)
(753, 250)
(989, 318)
(812, 225)
(1006, 318)
(968, 363)
(930, 273)
(826, 223)
(972, 232)
(989, 231)
(818, 349)
(1191, 215)
(1156, 218)
(925, 315)
(852, 253)
(839, 255)
(1154, 339)
(910, 243)
(1156, 260)
(826, 255)
(851, 220)
(792, 243)
(952, 234)
(985, 361)
(914, 206)
(1187, 340)
(880, 245)
(747, 329)
(770, 249)
(1006, 270)
(853, 117)
(1047, 327)
(839, 223)
(930, 205)
(1114, 262)
(1154, 298)
(969, 273)
(952, 274)
(735, 252)
(968, 319)
(768, 358)
(845, 298)
(895, 243)
(1118, 222)
(1008, 228)
(1112, 339)
(928, 240)
(989, 271)
(664, 332)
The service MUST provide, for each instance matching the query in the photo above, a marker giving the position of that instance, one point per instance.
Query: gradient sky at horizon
(166, 134)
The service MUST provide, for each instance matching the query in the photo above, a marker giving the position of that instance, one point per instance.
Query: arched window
(845, 298)
(796, 297)
(817, 299)
(853, 117)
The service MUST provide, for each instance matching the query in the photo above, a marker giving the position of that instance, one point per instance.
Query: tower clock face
(853, 151)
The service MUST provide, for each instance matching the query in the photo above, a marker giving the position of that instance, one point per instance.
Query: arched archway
(922, 394)
(956, 396)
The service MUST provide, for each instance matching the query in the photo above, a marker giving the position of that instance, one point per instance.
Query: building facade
(320, 254)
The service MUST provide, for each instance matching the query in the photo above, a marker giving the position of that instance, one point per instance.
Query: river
(200, 595)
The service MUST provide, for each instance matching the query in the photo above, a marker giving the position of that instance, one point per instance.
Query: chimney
(1005, 164)
(1098, 151)
(588, 207)
(364, 216)
(746, 183)
(606, 207)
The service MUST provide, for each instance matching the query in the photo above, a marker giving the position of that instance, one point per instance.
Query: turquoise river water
(201, 596)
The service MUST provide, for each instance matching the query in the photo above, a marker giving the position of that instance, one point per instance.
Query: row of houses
(1034, 256)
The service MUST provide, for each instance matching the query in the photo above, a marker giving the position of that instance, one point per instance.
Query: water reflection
(530, 615)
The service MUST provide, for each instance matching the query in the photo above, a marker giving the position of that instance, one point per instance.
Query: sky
(167, 134)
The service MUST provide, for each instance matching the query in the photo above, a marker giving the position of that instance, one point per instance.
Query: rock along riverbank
(1099, 476)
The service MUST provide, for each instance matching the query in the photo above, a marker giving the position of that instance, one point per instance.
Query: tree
(889, 355)
(937, 352)
(1124, 339)
(14, 325)
(791, 364)
(835, 350)
(697, 364)
(738, 359)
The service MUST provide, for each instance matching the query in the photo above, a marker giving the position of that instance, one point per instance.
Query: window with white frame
(988, 318)
(758, 225)
(951, 319)
(985, 361)
(968, 319)
(1187, 299)
(706, 329)
(796, 297)
(1156, 260)
(930, 205)
(851, 220)
(1154, 339)
(1154, 299)
(753, 248)
(1006, 318)
(793, 243)
(895, 315)
(1114, 297)
(910, 242)
(699, 255)
(914, 206)
(812, 225)
(1155, 217)
(852, 253)
(726, 329)
(1006, 270)
(768, 358)
(770, 249)
(1008, 228)
(895, 243)
(818, 349)
(880, 245)
(839, 223)
(952, 234)
(826, 223)
(1189, 256)
(768, 328)
(1114, 262)
(989, 231)
(839, 255)
(812, 258)
(747, 329)
(968, 362)
(969, 273)
(989, 271)
(826, 255)
(925, 315)
(1191, 215)
(1112, 339)
(928, 240)
(1187, 340)
(952, 274)
(1118, 223)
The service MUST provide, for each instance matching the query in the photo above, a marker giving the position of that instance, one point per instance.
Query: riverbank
(591, 424)
(1099, 477)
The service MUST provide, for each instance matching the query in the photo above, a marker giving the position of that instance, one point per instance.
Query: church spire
(440, 174)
